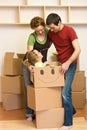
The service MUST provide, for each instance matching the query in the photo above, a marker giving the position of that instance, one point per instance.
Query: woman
(37, 40)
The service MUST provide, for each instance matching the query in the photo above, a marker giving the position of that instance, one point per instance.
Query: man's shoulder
(68, 27)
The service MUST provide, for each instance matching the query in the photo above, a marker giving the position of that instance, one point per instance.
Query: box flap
(21, 56)
(9, 55)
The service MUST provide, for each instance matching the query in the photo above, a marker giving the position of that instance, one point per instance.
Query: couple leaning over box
(66, 43)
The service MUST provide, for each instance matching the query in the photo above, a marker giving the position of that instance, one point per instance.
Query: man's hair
(53, 18)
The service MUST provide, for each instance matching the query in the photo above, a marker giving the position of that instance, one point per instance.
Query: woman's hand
(31, 68)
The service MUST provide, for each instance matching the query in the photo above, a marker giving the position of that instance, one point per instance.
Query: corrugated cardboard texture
(12, 66)
(49, 76)
(12, 84)
(79, 82)
(44, 98)
(79, 98)
(52, 118)
(13, 101)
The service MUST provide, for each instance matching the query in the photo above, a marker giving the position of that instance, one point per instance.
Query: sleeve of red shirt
(72, 34)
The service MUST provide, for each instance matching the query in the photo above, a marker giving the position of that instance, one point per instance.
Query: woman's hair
(32, 57)
(53, 18)
(37, 21)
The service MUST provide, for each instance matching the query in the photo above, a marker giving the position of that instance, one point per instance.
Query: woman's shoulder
(31, 39)
(32, 35)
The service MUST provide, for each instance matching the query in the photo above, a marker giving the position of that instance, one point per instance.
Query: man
(66, 43)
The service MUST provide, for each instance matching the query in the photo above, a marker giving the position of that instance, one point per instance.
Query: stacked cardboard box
(12, 82)
(79, 89)
(45, 97)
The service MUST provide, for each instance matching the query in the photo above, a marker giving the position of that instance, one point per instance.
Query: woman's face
(40, 30)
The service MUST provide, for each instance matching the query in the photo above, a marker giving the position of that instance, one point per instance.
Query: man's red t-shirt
(63, 42)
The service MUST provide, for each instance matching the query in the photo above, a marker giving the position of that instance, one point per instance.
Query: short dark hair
(53, 18)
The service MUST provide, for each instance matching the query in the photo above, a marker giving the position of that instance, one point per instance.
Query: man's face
(54, 28)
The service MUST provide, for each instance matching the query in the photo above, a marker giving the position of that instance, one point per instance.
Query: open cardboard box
(12, 66)
(48, 76)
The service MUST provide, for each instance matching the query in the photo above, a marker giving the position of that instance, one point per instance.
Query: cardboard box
(44, 98)
(12, 84)
(79, 99)
(79, 82)
(52, 118)
(12, 66)
(48, 77)
(13, 101)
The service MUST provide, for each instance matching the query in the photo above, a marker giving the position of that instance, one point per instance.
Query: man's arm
(74, 56)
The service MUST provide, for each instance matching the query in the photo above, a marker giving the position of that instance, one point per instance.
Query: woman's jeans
(67, 95)
(26, 74)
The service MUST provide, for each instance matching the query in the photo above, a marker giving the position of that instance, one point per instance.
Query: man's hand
(65, 67)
